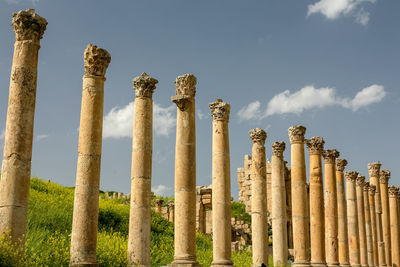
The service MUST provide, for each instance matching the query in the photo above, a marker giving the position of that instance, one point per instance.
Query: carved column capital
(185, 90)
(366, 186)
(330, 155)
(96, 60)
(278, 148)
(372, 189)
(373, 169)
(393, 191)
(340, 164)
(220, 110)
(28, 25)
(171, 204)
(315, 145)
(258, 136)
(144, 85)
(296, 134)
(351, 176)
(360, 180)
(159, 201)
(384, 176)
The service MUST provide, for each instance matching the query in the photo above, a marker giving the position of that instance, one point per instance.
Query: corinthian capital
(330, 155)
(360, 180)
(366, 186)
(96, 60)
(372, 189)
(373, 169)
(144, 85)
(351, 176)
(220, 110)
(278, 148)
(315, 145)
(393, 191)
(296, 134)
(258, 136)
(185, 90)
(28, 25)
(384, 176)
(341, 164)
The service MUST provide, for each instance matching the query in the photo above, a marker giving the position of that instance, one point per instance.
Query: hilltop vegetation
(49, 229)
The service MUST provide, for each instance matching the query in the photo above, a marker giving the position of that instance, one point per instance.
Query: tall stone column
(171, 211)
(352, 218)
(259, 199)
(29, 28)
(331, 208)
(142, 146)
(394, 225)
(374, 173)
(368, 228)
(315, 147)
(343, 245)
(221, 185)
(383, 181)
(299, 197)
(371, 200)
(86, 202)
(278, 191)
(185, 172)
(361, 220)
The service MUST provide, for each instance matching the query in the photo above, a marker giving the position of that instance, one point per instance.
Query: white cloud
(310, 97)
(162, 190)
(3, 134)
(14, 2)
(200, 114)
(118, 122)
(334, 9)
(41, 137)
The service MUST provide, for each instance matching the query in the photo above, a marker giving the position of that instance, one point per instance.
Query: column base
(222, 263)
(355, 265)
(333, 264)
(184, 263)
(84, 264)
(318, 264)
(301, 264)
(344, 264)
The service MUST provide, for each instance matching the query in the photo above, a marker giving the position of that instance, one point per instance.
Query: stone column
(158, 205)
(371, 200)
(383, 180)
(171, 211)
(278, 191)
(315, 147)
(394, 225)
(343, 245)
(361, 220)
(352, 218)
(368, 228)
(221, 185)
(299, 197)
(29, 28)
(185, 172)
(259, 199)
(142, 146)
(331, 208)
(374, 173)
(86, 202)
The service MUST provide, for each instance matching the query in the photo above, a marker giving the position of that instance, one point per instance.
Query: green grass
(49, 229)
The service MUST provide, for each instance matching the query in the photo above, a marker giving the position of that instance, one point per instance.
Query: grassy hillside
(49, 229)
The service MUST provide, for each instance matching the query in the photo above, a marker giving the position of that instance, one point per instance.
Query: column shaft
(394, 225)
(383, 181)
(352, 218)
(361, 220)
(221, 185)
(371, 199)
(86, 202)
(299, 197)
(278, 199)
(17, 155)
(368, 228)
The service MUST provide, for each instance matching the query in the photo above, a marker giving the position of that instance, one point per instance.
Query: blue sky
(330, 65)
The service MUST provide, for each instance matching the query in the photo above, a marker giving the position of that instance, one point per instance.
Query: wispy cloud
(334, 9)
(3, 134)
(310, 97)
(41, 137)
(118, 122)
(14, 2)
(200, 114)
(162, 190)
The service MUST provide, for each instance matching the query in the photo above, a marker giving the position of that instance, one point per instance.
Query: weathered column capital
(340, 164)
(144, 85)
(220, 110)
(315, 145)
(171, 204)
(330, 155)
(159, 201)
(372, 189)
(393, 191)
(366, 186)
(373, 169)
(96, 61)
(351, 176)
(360, 180)
(384, 176)
(296, 134)
(278, 148)
(258, 136)
(28, 25)
(185, 90)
